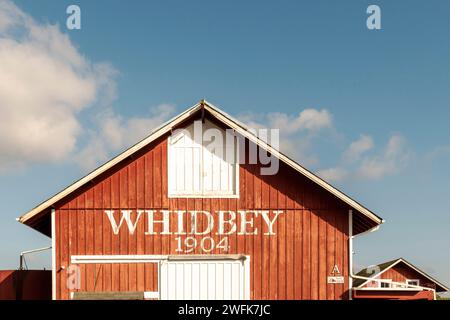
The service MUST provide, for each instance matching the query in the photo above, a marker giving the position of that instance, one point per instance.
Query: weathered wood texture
(311, 235)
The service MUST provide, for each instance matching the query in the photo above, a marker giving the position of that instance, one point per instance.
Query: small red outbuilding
(396, 280)
(25, 285)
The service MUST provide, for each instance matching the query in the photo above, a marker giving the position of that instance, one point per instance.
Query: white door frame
(85, 259)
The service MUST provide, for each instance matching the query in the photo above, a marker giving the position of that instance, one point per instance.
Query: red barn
(398, 280)
(173, 218)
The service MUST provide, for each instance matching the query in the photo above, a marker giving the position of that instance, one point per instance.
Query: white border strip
(146, 258)
(117, 259)
(151, 294)
(387, 289)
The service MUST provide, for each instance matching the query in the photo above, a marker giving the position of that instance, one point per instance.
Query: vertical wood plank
(164, 177)
(314, 255)
(265, 244)
(107, 238)
(306, 258)
(330, 252)
(322, 256)
(157, 172)
(281, 236)
(140, 183)
(298, 252)
(290, 261)
(345, 272)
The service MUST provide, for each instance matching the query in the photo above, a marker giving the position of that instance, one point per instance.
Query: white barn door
(202, 280)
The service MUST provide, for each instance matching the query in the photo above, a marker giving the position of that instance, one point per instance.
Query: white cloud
(10, 15)
(312, 119)
(360, 160)
(357, 163)
(114, 132)
(357, 148)
(333, 174)
(388, 162)
(309, 119)
(44, 84)
(297, 132)
(437, 152)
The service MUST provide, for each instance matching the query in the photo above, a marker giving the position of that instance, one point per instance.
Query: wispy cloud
(391, 159)
(310, 119)
(114, 132)
(334, 174)
(357, 148)
(46, 84)
(438, 152)
(297, 132)
(361, 161)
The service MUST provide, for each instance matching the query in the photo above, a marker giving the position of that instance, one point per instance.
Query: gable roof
(368, 272)
(166, 128)
(382, 267)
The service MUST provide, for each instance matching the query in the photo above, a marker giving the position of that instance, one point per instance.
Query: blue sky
(384, 92)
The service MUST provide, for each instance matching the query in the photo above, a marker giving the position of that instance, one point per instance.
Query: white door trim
(83, 259)
(143, 258)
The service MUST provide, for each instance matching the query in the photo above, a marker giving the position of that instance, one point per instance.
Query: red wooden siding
(311, 235)
(394, 295)
(25, 285)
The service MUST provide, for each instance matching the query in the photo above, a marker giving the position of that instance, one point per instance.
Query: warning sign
(335, 279)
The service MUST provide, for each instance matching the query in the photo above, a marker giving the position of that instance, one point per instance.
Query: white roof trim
(423, 273)
(409, 265)
(163, 129)
(387, 289)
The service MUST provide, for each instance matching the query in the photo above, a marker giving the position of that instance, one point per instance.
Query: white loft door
(204, 166)
(202, 280)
